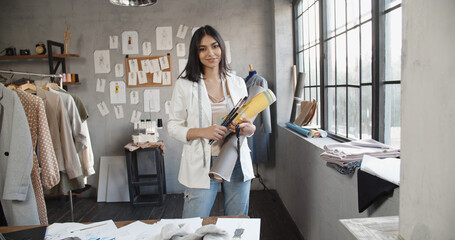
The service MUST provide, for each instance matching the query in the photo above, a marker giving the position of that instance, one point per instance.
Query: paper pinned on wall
(134, 97)
(180, 49)
(117, 92)
(146, 48)
(103, 108)
(228, 51)
(102, 61)
(166, 78)
(130, 43)
(167, 107)
(132, 78)
(155, 65)
(164, 63)
(157, 77)
(152, 100)
(100, 85)
(113, 42)
(118, 112)
(141, 75)
(163, 38)
(194, 30)
(135, 116)
(182, 64)
(119, 70)
(145, 67)
(133, 65)
(181, 33)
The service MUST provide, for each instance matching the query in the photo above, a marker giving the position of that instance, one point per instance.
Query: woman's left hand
(246, 127)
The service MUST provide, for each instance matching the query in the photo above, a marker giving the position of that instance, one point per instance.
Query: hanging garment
(80, 138)
(16, 162)
(41, 138)
(61, 133)
(260, 141)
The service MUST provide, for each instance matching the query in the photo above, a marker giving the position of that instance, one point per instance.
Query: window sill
(318, 142)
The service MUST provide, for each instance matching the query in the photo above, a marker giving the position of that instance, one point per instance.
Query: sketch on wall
(163, 38)
(102, 61)
(130, 43)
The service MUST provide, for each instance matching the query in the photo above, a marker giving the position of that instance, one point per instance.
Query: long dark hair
(194, 68)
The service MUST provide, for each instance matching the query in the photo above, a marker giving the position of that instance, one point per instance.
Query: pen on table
(86, 228)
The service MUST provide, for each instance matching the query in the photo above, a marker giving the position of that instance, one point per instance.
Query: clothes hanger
(12, 86)
(28, 86)
(44, 88)
(53, 86)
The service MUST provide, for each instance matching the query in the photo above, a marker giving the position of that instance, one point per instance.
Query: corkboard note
(148, 71)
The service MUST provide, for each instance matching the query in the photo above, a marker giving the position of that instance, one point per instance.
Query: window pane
(340, 13)
(305, 30)
(317, 116)
(299, 34)
(366, 112)
(353, 56)
(313, 63)
(354, 112)
(313, 94)
(391, 3)
(330, 18)
(341, 111)
(307, 96)
(316, 13)
(300, 67)
(311, 26)
(306, 70)
(365, 10)
(318, 77)
(341, 59)
(331, 110)
(392, 121)
(299, 7)
(331, 62)
(393, 45)
(305, 4)
(367, 49)
(352, 16)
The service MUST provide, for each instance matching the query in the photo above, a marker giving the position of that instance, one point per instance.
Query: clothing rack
(32, 74)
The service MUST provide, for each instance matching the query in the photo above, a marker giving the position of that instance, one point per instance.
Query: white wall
(428, 116)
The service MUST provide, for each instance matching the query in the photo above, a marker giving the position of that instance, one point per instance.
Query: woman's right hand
(214, 132)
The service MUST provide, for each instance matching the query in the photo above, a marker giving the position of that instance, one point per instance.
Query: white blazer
(184, 114)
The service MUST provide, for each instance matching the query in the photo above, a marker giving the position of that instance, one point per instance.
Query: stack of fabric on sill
(345, 153)
(379, 172)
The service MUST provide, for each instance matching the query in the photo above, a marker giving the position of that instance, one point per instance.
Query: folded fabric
(387, 169)
(349, 169)
(371, 188)
(342, 153)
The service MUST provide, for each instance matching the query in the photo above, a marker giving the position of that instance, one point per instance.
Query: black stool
(136, 180)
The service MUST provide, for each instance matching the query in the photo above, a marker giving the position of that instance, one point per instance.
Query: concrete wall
(246, 24)
(428, 107)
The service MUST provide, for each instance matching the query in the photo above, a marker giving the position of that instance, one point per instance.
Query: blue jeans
(199, 202)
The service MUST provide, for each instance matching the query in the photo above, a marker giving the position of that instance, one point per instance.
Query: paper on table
(98, 230)
(241, 228)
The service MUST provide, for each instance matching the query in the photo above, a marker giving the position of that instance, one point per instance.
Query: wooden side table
(136, 180)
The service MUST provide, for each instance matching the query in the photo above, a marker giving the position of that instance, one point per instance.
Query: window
(357, 81)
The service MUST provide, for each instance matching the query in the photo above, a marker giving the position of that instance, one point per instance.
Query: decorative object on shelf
(40, 48)
(24, 52)
(11, 51)
(67, 39)
(133, 3)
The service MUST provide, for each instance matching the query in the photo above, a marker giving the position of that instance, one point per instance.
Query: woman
(206, 93)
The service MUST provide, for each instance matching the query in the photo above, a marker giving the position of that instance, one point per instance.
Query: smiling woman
(204, 95)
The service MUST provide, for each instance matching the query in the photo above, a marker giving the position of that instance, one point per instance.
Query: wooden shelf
(71, 83)
(37, 56)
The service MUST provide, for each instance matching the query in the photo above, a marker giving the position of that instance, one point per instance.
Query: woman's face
(209, 52)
